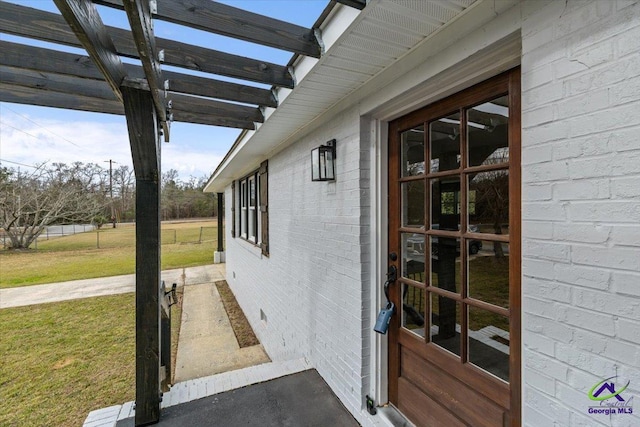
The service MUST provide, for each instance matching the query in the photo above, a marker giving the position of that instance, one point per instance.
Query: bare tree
(58, 194)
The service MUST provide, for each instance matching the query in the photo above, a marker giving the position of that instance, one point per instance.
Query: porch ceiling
(54, 78)
(358, 46)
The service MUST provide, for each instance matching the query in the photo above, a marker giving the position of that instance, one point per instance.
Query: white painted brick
(627, 283)
(539, 269)
(581, 233)
(549, 290)
(546, 250)
(547, 405)
(628, 43)
(537, 230)
(582, 104)
(547, 327)
(602, 77)
(610, 211)
(533, 417)
(589, 341)
(584, 189)
(550, 211)
(627, 187)
(590, 277)
(537, 154)
(615, 257)
(539, 343)
(626, 353)
(538, 77)
(597, 322)
(545, 172)
(606, 302)
(628, 330)
(580, 359)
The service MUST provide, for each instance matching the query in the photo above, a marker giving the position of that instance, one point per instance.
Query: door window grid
(462, 203)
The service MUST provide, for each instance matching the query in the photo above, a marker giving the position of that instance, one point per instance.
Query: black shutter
(264, 206)
(233, 209)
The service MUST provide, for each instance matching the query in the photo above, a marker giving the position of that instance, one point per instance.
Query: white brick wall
(581, 208)
(310, 288)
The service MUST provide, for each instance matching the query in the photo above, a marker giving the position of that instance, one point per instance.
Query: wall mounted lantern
(323, 158)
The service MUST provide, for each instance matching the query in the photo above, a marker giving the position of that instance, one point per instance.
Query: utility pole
(113, 216)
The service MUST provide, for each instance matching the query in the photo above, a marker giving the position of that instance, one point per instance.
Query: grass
(78, 257)
(488, 282)
(62, 360)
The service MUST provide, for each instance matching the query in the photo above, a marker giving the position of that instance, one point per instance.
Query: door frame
(384, 386)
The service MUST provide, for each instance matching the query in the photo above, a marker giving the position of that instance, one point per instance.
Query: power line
(17, 163)
(19, 130)
(39, 125)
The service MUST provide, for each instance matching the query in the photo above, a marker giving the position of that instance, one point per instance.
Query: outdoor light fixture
(323, 167)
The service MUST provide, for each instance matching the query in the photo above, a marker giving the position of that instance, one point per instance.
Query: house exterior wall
(580, 219)
(580, 208)
(311, 285)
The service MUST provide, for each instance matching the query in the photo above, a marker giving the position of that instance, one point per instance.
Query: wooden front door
(454, 225)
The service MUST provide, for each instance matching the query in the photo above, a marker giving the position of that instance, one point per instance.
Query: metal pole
(220, 215)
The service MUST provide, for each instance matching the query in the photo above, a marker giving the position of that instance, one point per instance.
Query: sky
(32, 135)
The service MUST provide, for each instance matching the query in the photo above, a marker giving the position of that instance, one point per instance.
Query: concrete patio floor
(300, 399)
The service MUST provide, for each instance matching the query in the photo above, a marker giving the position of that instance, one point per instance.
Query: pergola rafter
(150, 98)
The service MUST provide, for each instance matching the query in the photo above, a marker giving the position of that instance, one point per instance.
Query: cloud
(32, 139)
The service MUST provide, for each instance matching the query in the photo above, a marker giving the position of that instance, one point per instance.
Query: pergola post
(218, 256)
(145, 148)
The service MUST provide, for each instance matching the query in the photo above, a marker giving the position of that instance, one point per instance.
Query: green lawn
(62, 360)
(78, 256)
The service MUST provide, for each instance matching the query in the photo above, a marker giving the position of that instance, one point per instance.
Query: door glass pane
(444, 137)
(488, 202)
(413, 245)
(487, 130)
(489, 342)
(412, 151)
(413, 194)
(445, 203)
(413, 309)
(488, 274)
(445, 323)
(445, 263)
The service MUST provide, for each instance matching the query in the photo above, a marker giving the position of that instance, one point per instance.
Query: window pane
(413, 309)
(413, 245)
(487, 130)
(488, 274)
(445, 265)
(445, 203)
(252, 192)
(412, 151)
(413, 194)
(445, 323)
(488, 202)
(489, 342)
(444, 135)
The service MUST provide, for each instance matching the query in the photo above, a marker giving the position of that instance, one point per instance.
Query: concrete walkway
(207, 344)
(63, 291)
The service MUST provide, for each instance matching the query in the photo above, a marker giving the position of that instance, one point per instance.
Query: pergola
(150, 98)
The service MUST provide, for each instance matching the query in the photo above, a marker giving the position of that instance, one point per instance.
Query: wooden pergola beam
(233, 22)
(142, 30)
(43, 98)
(49, 90)
(210, 107)
(84, 20)
(53, 61)
(357, 4)
(33, 23)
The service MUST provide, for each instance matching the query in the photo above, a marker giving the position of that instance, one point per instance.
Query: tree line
(59, 193)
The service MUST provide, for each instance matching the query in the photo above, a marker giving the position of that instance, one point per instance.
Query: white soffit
(378, 36)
